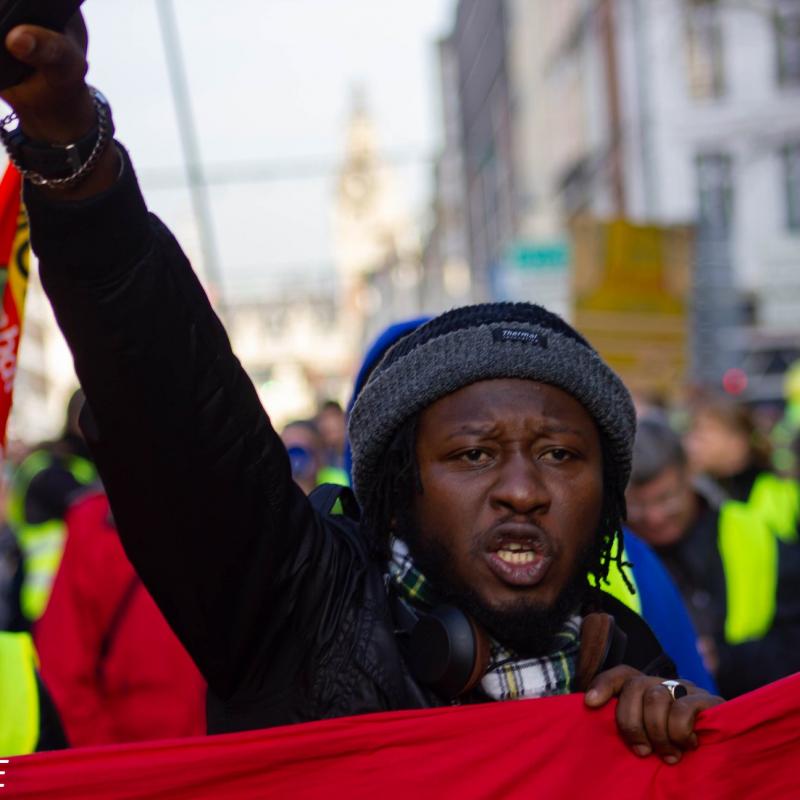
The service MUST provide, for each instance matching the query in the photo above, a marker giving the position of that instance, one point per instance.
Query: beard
(525, 626)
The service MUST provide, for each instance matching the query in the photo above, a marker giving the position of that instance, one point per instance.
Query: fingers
(683, 715)
(642, 711)
(648, 718)
(54, 103)
(76, 30)
(657, 709)
(57, 57)
(608, 684)
(641, 715)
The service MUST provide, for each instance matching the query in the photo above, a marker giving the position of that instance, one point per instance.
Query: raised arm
(199, 481)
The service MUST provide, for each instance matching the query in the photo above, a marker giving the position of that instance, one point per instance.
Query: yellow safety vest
(777, 501)
(19, 695)
(749, 552)
(616, 586)
(41, 544)
(332, 475)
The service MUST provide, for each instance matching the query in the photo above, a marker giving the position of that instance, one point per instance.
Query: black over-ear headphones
(444, 648)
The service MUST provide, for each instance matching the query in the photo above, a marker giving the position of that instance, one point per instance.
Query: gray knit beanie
(483, 342)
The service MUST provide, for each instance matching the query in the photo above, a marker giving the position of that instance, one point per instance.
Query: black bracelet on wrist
(59, 166)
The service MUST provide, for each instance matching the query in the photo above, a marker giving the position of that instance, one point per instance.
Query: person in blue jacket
(656, 599)
(665, 612)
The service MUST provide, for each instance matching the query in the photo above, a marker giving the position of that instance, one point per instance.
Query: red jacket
(116, 671)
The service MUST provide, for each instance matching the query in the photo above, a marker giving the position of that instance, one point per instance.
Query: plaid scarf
(509, 676)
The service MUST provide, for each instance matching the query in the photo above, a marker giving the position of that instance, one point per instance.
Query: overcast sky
(271, 81)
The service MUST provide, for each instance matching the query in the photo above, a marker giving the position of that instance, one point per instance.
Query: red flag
(14, 270)
(550, 748)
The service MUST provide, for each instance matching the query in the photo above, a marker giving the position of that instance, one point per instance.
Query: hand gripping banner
(14, 271)
(550, 748)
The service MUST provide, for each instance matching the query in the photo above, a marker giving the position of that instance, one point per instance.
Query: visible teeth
(515, 557)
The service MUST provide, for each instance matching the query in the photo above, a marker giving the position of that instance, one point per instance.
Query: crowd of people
(495, 524)
(711, 557)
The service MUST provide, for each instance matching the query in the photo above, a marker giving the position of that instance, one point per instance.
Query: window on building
(704, 49)
(786, 17)
(791, 173)
(715, 192)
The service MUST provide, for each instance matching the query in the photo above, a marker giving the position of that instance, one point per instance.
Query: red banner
(549, 748)
(14, 268)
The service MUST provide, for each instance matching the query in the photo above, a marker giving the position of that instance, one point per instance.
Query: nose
(519, 486)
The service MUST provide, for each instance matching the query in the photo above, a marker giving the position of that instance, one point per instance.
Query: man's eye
(558, 454)
(474, 456)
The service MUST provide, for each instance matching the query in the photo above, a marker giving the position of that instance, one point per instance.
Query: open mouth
(520, 558)
(517, 553)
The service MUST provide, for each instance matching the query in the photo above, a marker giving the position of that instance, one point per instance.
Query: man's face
(303, 447)
(512, 489)
(662, 510)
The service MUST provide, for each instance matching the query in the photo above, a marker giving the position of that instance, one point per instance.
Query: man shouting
(491, 448)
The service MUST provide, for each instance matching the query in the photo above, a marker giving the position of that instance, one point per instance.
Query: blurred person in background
(740, 582)
(43, 487)
(724, 444)
(306, 455)
(11, 618)
(332, 426)
(29, 722)
(116, 671)
(785, 433)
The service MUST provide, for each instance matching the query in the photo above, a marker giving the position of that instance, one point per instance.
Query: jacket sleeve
(199, 482)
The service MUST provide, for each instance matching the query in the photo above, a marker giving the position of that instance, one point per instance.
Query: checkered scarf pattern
(509, 676)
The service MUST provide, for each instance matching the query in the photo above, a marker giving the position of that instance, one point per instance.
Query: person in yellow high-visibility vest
(737, 577)
(43, 487)
(725, 444)
(785, 436)
(28, 719)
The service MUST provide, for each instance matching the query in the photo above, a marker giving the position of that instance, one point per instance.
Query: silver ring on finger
(675, 688)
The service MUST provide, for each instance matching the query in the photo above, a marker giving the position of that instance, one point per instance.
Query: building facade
(657, 112)
(447, 279)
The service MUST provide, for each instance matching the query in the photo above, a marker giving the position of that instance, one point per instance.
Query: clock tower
(371, 232)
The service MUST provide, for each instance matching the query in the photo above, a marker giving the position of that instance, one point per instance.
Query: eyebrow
(554, 427)
(548, 428)
(472, 430)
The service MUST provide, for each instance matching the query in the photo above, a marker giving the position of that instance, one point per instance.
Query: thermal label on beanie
(520, 336)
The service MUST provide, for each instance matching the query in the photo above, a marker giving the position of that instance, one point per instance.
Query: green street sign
(538, 255)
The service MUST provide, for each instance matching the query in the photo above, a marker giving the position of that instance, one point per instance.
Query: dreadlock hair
(609, 544)
(398, 480)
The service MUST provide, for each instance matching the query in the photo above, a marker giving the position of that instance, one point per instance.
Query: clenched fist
(54, 104)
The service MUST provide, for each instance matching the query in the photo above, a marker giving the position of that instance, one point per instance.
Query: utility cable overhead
(261, 171)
